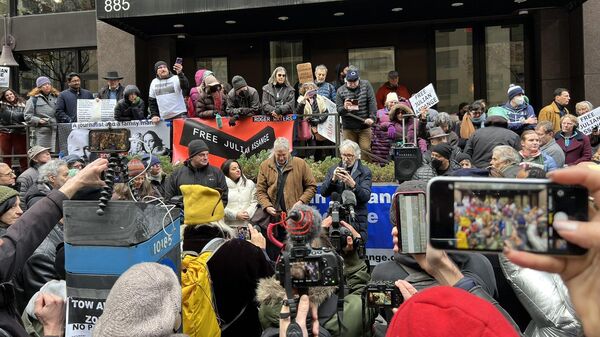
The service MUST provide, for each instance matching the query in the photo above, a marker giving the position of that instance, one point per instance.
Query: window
(28, 7)
(505, 61)
(286, 54)
(218, 65)
(56, 64)
(373, 63)
(454, 67)
(4, 7)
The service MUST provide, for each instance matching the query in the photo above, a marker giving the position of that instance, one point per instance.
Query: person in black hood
(340, 70)
(196, 171)
(131, 106)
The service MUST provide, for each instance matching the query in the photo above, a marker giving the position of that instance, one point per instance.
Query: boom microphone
(349, 200)
(335, 196)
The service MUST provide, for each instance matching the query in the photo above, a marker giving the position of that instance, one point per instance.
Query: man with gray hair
(545, 131)
(51, 175)
(325, 88)
(505, 160)
(351, 175)
(283, 182)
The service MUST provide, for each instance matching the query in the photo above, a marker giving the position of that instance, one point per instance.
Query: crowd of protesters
(472, 292)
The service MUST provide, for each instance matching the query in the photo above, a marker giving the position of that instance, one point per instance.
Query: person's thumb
(581, 233)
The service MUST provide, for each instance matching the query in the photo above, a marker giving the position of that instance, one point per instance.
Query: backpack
(199, 311)
(191, 110)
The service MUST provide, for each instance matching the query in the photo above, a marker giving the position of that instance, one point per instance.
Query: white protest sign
(426, 98)
(91, 110)
(4, 77)
(589, 121)
(327, 128)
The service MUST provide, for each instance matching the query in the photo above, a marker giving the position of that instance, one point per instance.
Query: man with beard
(66, 104)
(554, 111)
(391, 85)
(324, 88)
(165, 99)
(242, 100)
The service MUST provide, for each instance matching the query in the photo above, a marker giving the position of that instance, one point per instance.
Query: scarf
(568, 138)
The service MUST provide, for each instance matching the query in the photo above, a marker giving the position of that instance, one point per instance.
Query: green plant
(251, 164)
(382, 174)
(320, 168)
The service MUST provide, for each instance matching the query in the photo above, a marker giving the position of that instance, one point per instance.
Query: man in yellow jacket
(555, 110)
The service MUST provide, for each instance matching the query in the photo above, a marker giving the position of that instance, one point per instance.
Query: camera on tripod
(302, 265)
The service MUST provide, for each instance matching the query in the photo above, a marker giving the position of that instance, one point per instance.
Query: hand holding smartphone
(482, 214)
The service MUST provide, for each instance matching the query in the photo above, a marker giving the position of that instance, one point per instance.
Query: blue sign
(379, 244)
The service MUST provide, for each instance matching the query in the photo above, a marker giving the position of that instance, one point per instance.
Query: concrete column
(591, 51)
(116, 52)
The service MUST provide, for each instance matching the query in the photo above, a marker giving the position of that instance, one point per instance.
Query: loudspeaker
(407, 159)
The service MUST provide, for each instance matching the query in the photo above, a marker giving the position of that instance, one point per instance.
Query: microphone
(349, 200)
(335, 196)
(294, 215)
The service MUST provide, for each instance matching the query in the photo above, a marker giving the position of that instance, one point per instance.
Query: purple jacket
(579, 149)
(381, 142)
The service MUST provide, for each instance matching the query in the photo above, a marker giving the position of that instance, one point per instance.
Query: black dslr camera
(341, 208)
(383, 294)
(304, 266)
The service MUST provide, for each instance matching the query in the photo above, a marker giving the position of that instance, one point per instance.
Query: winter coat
(186, 174)
(517, 115)
(19, 244)
(206, 105)
(426, 172)
(300, 183)
(483, 142)
(386, 88)
(105, 92)
(25, 181)
(42, 107)
(338, 82)
(546, 299)
(241, 197)
(66, 104)
(409, 124)
(270, 295)
(199, 77)
(367, 106)
(248, 105)
(235, 270)
(326, 89)
(542, 160)
(36, 192)
(12, 115)
(363, 178)
(551, 113)
(579, 149)
(555, 152)
(39, 268)
(382, 142)
(125, 110)
(280, 99)
(318, 106)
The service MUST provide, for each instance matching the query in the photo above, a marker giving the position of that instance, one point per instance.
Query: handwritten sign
(327, 128)
(4, 77)
(426, 98)
(589, 121)
(304, 72)
(91, 110)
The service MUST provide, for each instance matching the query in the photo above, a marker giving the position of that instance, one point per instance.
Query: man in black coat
(351, 175)
(113, 88)
(66, 104)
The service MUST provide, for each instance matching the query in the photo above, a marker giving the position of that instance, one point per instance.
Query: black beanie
(196, 146)
(238, 82)
(443, 149)
(158, 64)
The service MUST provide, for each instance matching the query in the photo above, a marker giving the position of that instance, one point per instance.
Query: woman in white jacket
(242, 195)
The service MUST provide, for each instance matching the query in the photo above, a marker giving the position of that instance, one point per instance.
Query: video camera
(342, 209)
(382, 294)
(304, 266)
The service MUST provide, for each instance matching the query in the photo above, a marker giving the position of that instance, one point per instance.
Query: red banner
(248, 136)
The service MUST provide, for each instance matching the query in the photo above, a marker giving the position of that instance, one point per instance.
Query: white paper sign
(589, 121)
(91, 110)
(426, 98)
(82, 315)
(327, 128)
(4, 77)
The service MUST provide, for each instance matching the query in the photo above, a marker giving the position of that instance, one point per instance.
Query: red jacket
(579, 149)
(385, 89)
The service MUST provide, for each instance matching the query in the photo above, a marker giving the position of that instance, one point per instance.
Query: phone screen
(179, 60)
(109, 141)
(410, 211)
(483, 215)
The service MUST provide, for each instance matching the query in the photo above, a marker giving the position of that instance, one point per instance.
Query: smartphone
(483, 214)
(243, 233)
(179, 60)
(410, 209)
(109, 140)
(310, 93)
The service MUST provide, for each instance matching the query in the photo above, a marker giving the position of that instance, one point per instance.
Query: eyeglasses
(347, 155)
(9, 173)
(280, 75)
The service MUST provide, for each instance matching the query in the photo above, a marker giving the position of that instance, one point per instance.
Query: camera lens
(560, 193)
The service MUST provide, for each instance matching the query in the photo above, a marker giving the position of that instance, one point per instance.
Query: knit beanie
(135, 167)
(40, 81)
(238, 82)
(497, 111)
(5, 194)
(144, 302)
(158, 64)
(462, 156)
(443, 149)
(196, 146)
(447, 311)
(392, 96)
(153, 160)
(514, 90)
